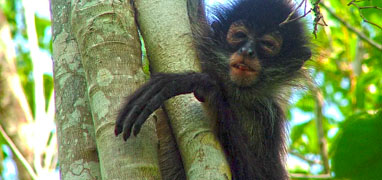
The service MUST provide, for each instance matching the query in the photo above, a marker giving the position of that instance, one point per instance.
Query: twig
(17, 153)
(370, 7)
(318, 17)
(360, 12)
(307, 176)
(289, 20)
(351, 28)
(356, 1)
(302, 157)
(367, 21)
(320, 129)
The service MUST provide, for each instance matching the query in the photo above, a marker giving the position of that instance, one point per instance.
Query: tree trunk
(166, 31)
(98, 63)
(101, 37)
(75, 131)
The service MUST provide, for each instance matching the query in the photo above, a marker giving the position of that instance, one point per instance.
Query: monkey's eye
(237, 38)
(239, 35)
(270, 45)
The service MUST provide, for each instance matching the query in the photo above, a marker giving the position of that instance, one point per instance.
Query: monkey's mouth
(242, 67)
(243, 72)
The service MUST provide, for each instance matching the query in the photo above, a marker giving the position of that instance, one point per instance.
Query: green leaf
(48, 89)
(358, 149)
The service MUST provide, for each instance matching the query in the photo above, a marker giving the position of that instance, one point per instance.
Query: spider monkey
(249, 62)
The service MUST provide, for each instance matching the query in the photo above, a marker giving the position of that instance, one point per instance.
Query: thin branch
(295, 19)
(320, 129)
(351, 28)
(17, 153)
(302, 157)
(307, 176)
(305, 6)
(289, 20)
(370, 7)
(367, 21)
(362, 16)
(356, 1)
(318, 17)
(351, 2)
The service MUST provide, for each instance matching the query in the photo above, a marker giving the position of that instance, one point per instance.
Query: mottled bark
(110, 52)
(166, 30)
(76, 139)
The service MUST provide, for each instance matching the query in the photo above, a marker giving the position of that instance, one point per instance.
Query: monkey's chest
(251, 126)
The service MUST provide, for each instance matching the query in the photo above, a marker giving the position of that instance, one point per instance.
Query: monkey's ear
(306, 53)
(216, 27)
(300, 57)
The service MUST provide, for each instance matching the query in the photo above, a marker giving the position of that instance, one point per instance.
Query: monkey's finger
(120, 119)
(130, 120)
(170, 89)
(141, 96)
(154, 82)
(133, 107)
(117, 130)
(145, 94)
(150, 107)
(141, 119)
(123, 117)
(156, 85)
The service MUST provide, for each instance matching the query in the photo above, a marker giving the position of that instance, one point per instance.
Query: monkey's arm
(151, 96)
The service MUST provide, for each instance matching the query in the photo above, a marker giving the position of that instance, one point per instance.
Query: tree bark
(109, 52)
(166, 30)
(75, 131)
(98, 63)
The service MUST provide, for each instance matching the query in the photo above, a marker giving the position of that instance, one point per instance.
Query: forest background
(334, 129)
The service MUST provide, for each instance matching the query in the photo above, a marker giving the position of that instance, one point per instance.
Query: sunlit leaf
(358, 150)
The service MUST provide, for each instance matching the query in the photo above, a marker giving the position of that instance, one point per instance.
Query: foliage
(48, 89)
(14, 13)
(357, 150)
(347, 71)
(43, 33)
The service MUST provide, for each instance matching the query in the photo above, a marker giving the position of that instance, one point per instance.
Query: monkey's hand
(151, 96)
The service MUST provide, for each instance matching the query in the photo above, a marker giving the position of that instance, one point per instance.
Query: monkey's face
(250, 50)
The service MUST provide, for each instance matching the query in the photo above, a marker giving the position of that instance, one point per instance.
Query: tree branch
(307, 176)
(302, 157)
(289, 20)
(365, 7)
(319, 18)
(320, 129)
(17, 153)
(351, 28)
(370, 7)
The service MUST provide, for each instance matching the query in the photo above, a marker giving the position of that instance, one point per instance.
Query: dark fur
(251, 122)
(254, 143)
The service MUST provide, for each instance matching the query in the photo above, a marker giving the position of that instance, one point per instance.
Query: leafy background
(345, 107)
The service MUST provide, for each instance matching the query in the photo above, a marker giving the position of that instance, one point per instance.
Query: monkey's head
(252, 49)
(248, 50)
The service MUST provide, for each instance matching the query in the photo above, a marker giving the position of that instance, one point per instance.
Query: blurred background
(335, 129)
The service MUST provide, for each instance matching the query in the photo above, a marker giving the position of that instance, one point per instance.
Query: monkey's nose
(247, 51)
